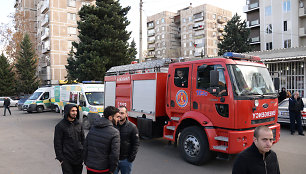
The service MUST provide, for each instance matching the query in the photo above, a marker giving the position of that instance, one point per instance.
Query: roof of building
(281, 54)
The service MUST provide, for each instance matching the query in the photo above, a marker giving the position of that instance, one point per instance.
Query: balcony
(45, 34)
(220, 37)
(220, 29)
(199, 19)
(198, 27)
(302, 12)
(45, 47)
(150, 25)
(302, 32)
(45, 20)
(151, 41)
(151, 48)
(151, 56)
(254, 23)
(220, 21)
(251, 7)
(254, 40)
(16, 4)
(45, 6)
(197, 54)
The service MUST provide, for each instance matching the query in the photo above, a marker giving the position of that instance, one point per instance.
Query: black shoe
(292, 133)
(302, 134)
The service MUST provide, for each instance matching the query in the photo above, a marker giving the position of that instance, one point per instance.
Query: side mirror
(276, 83)
(214, 78)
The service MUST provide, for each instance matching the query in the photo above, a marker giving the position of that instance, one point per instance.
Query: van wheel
(39, 109)
(86, 124)
(57, 110)
(193, 145)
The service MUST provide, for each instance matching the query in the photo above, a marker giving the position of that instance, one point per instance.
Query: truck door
(46, 100)
(214, 106)
(180, 84)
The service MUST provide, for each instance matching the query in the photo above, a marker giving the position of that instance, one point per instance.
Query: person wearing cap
(69, 140)
(102, 144)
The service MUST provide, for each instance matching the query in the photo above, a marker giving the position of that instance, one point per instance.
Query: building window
(286, 5)
(190, 52)
(287, 43)
(158, 52)
(71, 16)
(190, 35)
(190, 44)
(185, 53)
(184, 28)
(71, 3)
(163, 28)
(268, 11)
(190, 19)
(157, 29)
(214, 34)
(184, 20)
(184, 37)
(190, 27)
(214, 16)
(162, 20)
(164, 43)
(158, 37)
(285, 26)
(269, 46)
(157, 22)
(269, 29)
(184, 44)
(163, 36)
(164, 51)
(71, 30)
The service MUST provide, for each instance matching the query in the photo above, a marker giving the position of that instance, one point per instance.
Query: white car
(13, 102)
(283, 112)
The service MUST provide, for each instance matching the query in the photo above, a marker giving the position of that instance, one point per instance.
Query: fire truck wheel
(57, 110)
(39, 109)
(86, 124)
(193, 145)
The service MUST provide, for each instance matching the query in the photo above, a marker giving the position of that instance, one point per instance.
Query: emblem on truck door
(181, 98)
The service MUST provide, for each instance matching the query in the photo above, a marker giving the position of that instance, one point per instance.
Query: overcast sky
(150, 7)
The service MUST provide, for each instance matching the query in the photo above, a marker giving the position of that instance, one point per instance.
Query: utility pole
(140, 32)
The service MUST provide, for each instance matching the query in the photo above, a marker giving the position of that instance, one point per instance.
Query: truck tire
(193, 145)
(39, 109)
(86, 124)
(57, 110)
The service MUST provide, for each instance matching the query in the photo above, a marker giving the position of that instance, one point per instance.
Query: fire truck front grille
(262, 120)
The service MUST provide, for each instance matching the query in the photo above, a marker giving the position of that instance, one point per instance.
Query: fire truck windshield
(251, 80)
(95, 98)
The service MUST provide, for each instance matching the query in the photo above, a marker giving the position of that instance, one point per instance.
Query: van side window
(73, 98)
(46, 95)
(203, 76)
(181, 77)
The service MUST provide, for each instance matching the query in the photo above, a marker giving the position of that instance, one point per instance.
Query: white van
(39, 101)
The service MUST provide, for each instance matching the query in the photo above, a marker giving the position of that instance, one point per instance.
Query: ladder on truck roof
(160, 65)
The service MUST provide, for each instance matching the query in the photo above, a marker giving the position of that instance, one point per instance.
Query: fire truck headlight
(256, 102)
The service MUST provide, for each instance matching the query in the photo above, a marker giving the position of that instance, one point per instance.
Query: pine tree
(236, 37)
(71, 75)
(132, 51)
(103, 40)
(26, 67)
(7, 80)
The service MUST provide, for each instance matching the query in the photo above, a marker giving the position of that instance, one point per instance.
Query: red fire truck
(206, 107)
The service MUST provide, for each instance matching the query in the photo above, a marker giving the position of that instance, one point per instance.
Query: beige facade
(193, 32)
(276, 24)
(56, 29)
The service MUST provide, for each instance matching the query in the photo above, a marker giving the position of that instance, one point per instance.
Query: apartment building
(276, 24)
(56, 29)
(189, 33)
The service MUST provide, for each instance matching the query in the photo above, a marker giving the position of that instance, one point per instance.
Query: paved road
(26, 147)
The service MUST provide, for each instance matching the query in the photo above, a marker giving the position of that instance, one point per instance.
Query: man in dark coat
(102, 144)
(282, 95)
(258, 158)
(69, 140)
(129, 142)
(6, 105)
(296, 105)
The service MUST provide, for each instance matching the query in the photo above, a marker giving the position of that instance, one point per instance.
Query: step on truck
(207, 107)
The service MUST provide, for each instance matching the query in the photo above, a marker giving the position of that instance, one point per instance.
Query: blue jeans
(124, 166)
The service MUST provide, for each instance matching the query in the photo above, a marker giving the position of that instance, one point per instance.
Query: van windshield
(95, 98)
(35, 95)
(251, 80)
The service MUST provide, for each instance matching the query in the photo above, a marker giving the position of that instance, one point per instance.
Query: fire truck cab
(204, 106)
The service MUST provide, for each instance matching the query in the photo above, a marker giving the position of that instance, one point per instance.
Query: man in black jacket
(102, 144)
(129, 142)
(69, 140)
(296, 105)
(6, 105)
(258, 158)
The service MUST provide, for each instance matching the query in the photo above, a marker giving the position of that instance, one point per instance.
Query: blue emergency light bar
(233, 55)
(92, 82)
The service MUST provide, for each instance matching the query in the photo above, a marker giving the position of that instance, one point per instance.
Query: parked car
(21, 102)
(283, 112)
(13, 102)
